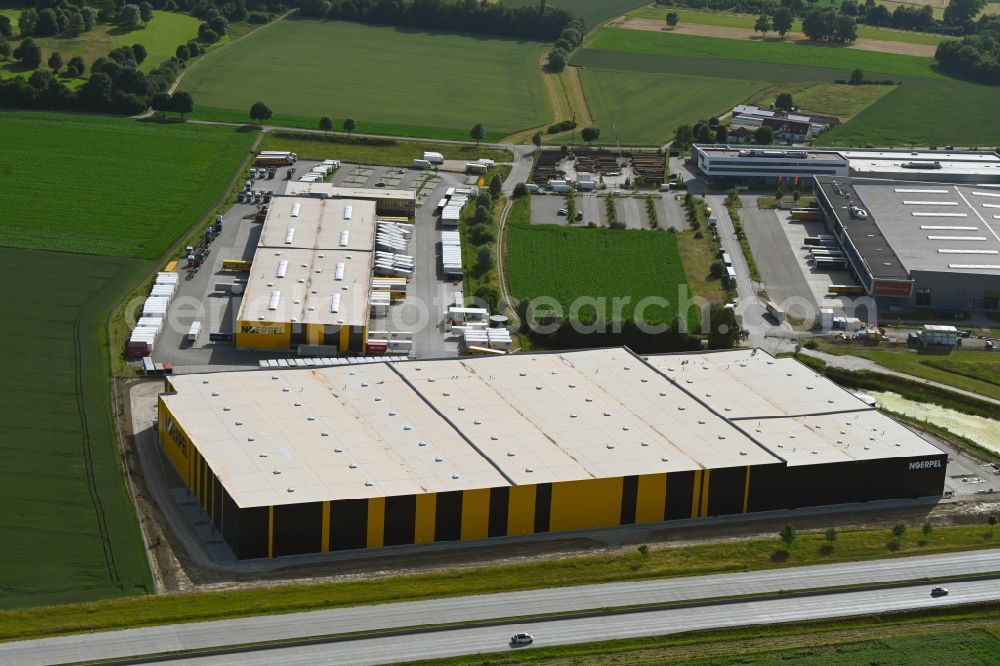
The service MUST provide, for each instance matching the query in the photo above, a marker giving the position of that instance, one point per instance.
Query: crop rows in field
(434, 83)
(130, 189)
(570, 263)
(69, 530)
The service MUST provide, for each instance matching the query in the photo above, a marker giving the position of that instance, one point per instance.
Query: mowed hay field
(89, 186)
(109, 186)
(645, 108)
(569, 263)
(389, 80)
(68, 531)
(161, 37)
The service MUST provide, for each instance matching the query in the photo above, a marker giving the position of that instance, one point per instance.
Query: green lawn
(646, 108)
(69, 530)
(593, 12)
(399, 153)
(89, 186)
(925, 113)
(836, 99)
(569, 263)
(974, 371)
(764, 54)
(161, 38)
(382, 77)
(109, 186)
(747, 21)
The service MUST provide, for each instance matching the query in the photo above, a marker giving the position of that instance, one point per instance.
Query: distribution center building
(310, 278)
(918, 244)
(360, 456)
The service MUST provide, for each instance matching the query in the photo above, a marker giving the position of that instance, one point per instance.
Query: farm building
(360, 456)
(918, 244)
(387, 201)
(310, 278)
(735, 163)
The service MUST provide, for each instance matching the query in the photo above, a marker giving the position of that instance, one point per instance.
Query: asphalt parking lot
(630, 210)
(197, 299)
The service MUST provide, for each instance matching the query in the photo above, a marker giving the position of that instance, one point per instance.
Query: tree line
(959, 15)
(491, 18)
(976, 57)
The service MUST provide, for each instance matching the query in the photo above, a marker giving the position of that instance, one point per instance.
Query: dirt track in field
(651, 25)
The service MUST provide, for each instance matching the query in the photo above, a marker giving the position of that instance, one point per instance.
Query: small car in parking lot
(939, 592)
(380, 183)
(562, 212)
(239, 197)
(258, 197)
(267, 197)
(271, 172)
(521, 638)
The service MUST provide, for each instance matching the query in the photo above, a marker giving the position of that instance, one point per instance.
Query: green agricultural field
(69, 530)
(764, 54)
(161, 38)
(646, 108)
(131, 188)
(923, 113)
(428, 84)
(747, 21)
(593, 12)
(567, 263)
(398, 153)
(836, 99)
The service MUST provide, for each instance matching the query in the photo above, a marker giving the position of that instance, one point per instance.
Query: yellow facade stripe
(696, 493)
(423, 529)
(475, 513)
(746, 491)
(325, 529)
(376, 522)
(580, 505)
(270, 531)
(705, 478)
(651, 498)
(521, 510)
(345, 338)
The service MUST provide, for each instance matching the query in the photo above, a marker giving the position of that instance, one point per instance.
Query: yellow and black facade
(516, 508)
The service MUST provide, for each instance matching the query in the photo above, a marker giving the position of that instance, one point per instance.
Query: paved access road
(395, 649)
(195, 636)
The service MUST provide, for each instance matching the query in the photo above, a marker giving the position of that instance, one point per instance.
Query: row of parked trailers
(154, 312)
(320, 171)
(451, 254)
(825, 252)
(450, 207)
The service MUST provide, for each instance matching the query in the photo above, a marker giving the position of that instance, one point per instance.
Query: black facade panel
(543, 506)
(400, 519)
(499, 497)
(356, 341)
(348, 524)
(217, 502)
(767, 488)
(203, 483)
(230, 521)
(680, 487)
(630, 497)
(253, 533)
(725, 490)
(298, 528)
(448, 516)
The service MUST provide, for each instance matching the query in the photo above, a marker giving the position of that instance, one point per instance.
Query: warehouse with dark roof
(379, 454)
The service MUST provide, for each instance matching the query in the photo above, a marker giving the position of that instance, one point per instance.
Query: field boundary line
(501, 271)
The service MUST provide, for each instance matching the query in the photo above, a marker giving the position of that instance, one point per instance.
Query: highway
(394, 649)
(198, 636)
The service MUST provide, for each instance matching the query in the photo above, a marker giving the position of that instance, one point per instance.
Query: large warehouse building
(310, 278)
(770, 163)
(918, 244)
(368, 455)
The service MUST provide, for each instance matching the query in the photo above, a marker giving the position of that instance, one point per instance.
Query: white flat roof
(318, 223)
(330, 190)
(307, 290)
(436, 426)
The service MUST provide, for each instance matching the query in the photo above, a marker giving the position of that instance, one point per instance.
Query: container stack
(154, 312)
(451, 213)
